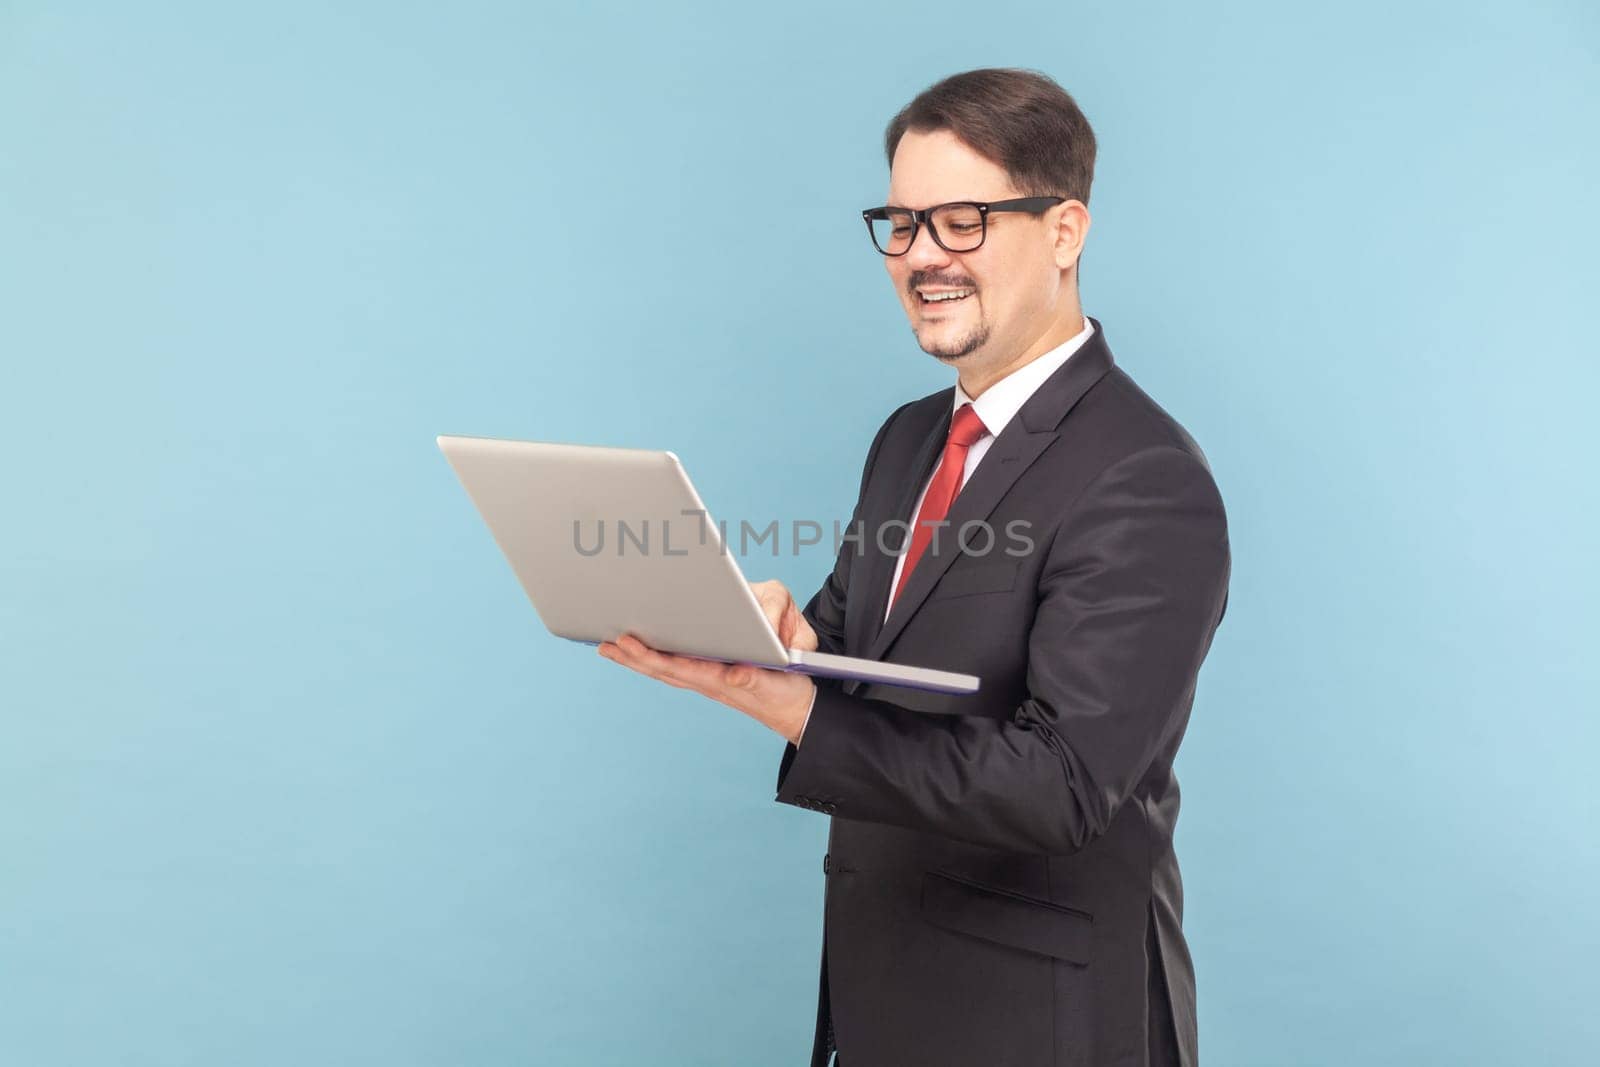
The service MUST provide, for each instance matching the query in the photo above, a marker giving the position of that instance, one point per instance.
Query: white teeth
(955, 295)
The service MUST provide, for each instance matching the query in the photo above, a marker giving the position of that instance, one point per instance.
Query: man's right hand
(793, 629)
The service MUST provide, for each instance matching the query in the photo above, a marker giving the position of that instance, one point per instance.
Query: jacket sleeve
(825, 612)
(1131, 591)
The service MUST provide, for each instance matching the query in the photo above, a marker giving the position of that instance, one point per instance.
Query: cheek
(900, 278)
(1007, 286)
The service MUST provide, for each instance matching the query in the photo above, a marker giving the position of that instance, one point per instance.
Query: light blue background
(289, 772)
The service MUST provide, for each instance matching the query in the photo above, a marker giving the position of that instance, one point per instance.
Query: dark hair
(1019, 119)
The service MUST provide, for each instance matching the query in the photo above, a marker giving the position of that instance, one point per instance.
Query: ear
(1072, 230)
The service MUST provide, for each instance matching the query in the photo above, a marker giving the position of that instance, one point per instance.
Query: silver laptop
(608, 541)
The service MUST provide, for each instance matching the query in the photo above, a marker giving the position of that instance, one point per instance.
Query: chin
(954, 350)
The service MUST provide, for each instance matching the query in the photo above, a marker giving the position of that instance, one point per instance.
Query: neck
(974, 380)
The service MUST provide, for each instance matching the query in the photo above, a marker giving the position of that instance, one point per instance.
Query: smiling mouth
(935, 299)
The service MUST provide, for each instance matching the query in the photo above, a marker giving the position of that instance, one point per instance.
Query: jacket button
(825, 857)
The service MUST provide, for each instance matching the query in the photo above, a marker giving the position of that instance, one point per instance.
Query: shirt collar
(1000, 402)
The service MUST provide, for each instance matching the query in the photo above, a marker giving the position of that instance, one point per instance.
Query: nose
(925, 253)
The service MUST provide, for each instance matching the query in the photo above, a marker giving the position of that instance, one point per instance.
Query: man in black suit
(1002, 889)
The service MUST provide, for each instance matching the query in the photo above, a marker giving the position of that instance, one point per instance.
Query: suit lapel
(1024, 440)
(879, 572)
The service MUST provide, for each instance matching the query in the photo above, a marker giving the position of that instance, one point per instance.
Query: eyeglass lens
(959, 228)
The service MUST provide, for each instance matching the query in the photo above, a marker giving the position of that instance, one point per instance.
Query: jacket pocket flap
(1006, 918)
(994, 577)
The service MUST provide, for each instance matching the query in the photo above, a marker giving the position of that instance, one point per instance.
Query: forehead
(936, 167)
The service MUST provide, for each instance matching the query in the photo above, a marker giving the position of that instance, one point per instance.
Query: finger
(641, 656)
(771, 601)
(623, 658)
(778, 606)
(685, 672)
(713, 680)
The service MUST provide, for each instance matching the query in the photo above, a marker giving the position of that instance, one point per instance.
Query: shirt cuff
(802, 735)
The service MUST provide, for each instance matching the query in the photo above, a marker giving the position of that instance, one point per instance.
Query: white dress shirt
(997, 406)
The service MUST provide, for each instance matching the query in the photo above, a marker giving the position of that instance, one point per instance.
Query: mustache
(919, 280)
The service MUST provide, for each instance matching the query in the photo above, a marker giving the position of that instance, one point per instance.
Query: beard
(975, 339)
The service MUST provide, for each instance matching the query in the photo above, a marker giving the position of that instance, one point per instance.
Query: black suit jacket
(1001, 885)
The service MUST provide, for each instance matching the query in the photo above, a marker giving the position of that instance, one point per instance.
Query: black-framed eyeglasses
(959, 226)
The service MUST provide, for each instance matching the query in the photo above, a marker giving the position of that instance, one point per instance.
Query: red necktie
(965, 430)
